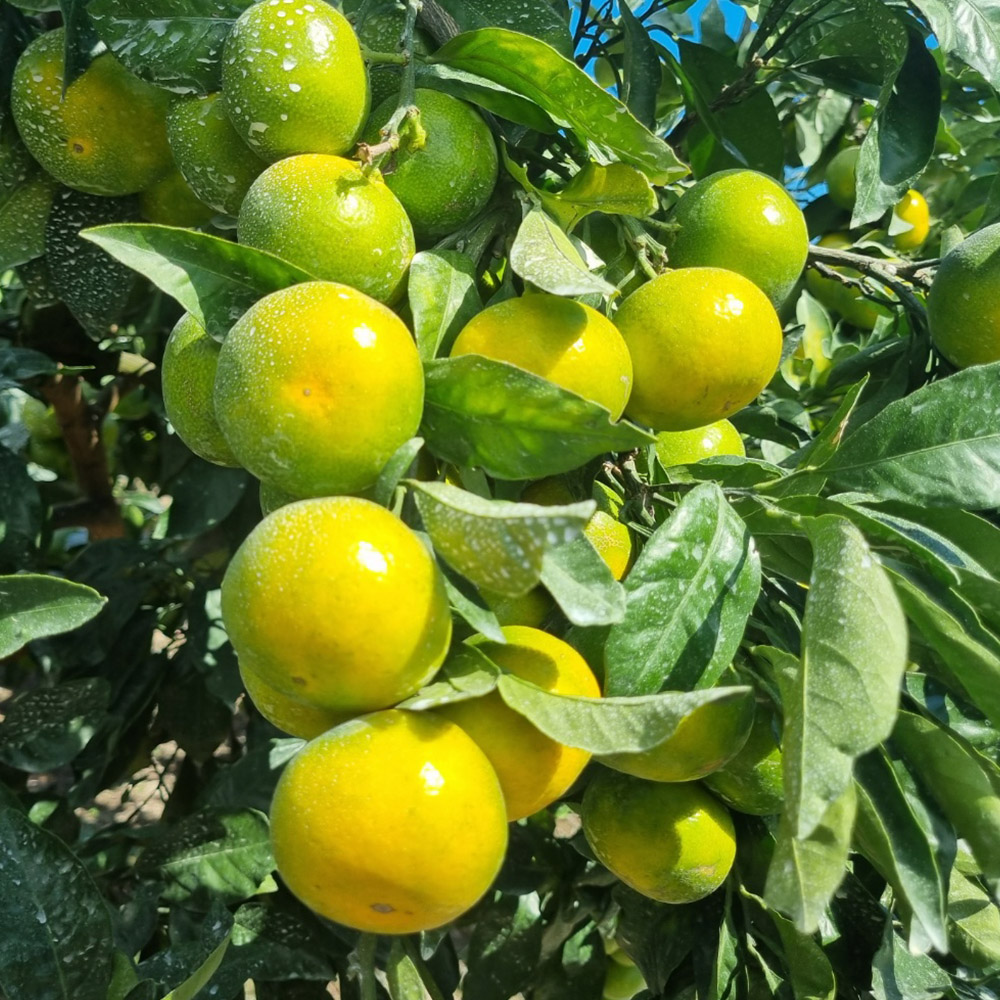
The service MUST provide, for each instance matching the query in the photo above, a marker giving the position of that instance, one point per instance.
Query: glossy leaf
(496, 544)
(688, 598)
(854, 650)
(897, 974)
(194, 984)
(964, 782)
(526, 16)
(973, 921)
(642, 69)
(213, 279)
(614, 189)
(543, 255)
(394, 470)
(536, 71)
(582, 585)
(810, 972)
(512, 424)
(401, 974)
(895, 842)
(175, 44)
(57, 943)
(33, 606)
(467, 673)
(504, 949)
(609, 725)
(806, 871)
(939, 446)
(20, 515)
(901, 137)
(224, 854)
(443, 297)
(468, 604)
(970, 29)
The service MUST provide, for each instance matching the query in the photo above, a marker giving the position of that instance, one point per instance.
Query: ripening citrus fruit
(272, 497)
(912, 208)
(290, 715)
(704, 342)
(963, 307)
(604, 531)
(336, 602)
(170, 201)
(743, 221)
(534, 770)
(531, 608)
(336, 222)
(188, 368)
(703, 741)
(317, 386)
(561, 340)
(392, 823)
(450, 179)
(840, 179)
(107, 135)
(671, 842)
(218, 165)
(294, 79)
(688, 447)
(848, 302)
(752, 781)
(621, 981)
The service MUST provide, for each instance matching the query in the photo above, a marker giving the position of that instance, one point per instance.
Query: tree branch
(882, 270)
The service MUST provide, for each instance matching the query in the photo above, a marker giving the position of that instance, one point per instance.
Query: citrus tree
(499, 499)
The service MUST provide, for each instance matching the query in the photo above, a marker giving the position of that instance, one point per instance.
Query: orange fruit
(171, 202)
(392, 823)
(297, 718)
(912, 208)
(848, 302)
(841, 182)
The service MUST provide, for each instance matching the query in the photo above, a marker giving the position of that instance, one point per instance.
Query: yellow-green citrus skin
(840, 177)
(171, 202)
(107, 135)
(566, 342)
(963, 306)
(337, 603)
(450, 179)
(290, 715)
(294, 79)
(743, 221)
(671, 842)
(188, 368)
(702, 743)
(752, 781)
(317, 386)
(217, 164)
(323, 214)
(688, 447)
(621, 982)
(912, 208)
(704, 342)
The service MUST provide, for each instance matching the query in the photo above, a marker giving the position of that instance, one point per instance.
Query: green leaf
(582, 584)
(57, 943)
(844, 699)
(512, 424)
(964, 782)
(23, 215)
(46, 728)
(687, 598)
(20, 363)
(953, 630)
(901, 137)
(33, 606)
(810, 972)
(213, 279)
(973, 922)
(614, 189)
(443, 297)
(556, 84)
(504, 949)
(176, 44)
(222, 854)
(467, 673)
(20, 514)
(642, 70)
(94, 289)
(806, 871)
(466, 602)
(543, 255)
(496, 544)
(969, 29)
(527, 16)
(823, 446)
(394, 470)
(894, 840)
(609, 725)
(897, 974)
(193, 985)
(402, 975)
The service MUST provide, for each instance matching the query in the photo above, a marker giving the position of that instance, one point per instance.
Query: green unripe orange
(450, 179)
(171, 202)
(847, 301)
(294, 79)
(106, 136)
(317, 386)
(217, 164)
(743, 221)
(840, 177)
(336, 222)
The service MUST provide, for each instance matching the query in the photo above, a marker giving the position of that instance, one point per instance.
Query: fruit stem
(367, 944)
(383, 58)
(430, 985)
(643, 246)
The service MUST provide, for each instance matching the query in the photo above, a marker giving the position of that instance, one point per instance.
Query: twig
(366, 966)
(437, 22)
(882, 270)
